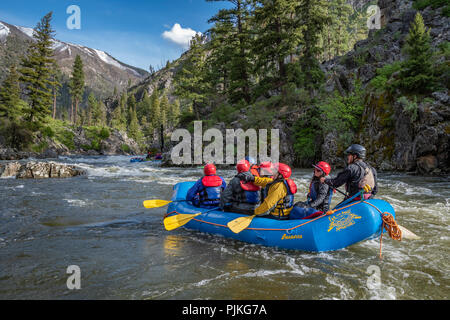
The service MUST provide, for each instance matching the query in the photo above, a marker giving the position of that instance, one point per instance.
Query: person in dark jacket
(239, 196)
(356, 176)
(206, 192)
(319, 196)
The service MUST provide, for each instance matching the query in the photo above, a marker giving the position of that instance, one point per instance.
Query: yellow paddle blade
(149, 204)
(240, 224)
(179, 220)
(406, 234)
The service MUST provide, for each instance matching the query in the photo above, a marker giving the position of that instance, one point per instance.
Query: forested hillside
(314, 70)
(327, 73)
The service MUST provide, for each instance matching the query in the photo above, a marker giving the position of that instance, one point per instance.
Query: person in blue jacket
(206, 192)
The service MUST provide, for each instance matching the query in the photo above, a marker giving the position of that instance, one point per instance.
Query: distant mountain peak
(103, 71)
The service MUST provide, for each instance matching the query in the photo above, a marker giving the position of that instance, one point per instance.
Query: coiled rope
(392, 228)
(390, 225)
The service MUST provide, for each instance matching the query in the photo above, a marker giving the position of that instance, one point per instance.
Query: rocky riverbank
(39, 170)
(68, 141)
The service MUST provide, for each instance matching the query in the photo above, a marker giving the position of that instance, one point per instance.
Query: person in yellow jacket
(280, 196)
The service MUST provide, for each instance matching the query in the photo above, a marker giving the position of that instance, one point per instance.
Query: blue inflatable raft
(349, 224)
(138, 160)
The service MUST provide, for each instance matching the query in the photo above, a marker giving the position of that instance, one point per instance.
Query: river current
(97, 222)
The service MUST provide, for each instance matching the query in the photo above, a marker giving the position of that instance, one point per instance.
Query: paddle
(240, 224)
(179, 220)
(150, 204)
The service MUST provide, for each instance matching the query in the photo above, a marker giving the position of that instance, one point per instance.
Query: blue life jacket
(250, 193)
(211, 189)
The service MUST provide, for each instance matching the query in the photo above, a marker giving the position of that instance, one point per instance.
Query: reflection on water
(173, 245)
(98, 223)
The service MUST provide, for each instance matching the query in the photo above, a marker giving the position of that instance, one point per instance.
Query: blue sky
(138, 32)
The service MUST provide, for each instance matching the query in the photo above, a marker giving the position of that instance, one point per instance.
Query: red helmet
(284, 170)
(324, 167)
(243, 166)
(210, 170)
(266, 169)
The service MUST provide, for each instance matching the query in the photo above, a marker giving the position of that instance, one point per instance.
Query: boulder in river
(39, 170)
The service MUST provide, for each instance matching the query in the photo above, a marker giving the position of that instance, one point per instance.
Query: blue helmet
(251, 160)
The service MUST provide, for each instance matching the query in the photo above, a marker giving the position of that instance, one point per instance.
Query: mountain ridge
(104, 73)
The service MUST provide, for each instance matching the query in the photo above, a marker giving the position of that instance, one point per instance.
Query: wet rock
(39, 170)
(427, 164)
(9, 169)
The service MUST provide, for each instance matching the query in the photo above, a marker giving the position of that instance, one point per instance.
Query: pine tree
(10, 96)
(417, 70)
(56, 79)
(174, 113)
(232, 43)
(338, 30)
(156, 110)
(131, 107)
(190, 82)
(77, 86)
(92, 110)
(312, 14)
(143, 107)
(36, 72)
(277, 37)
(118, 117)
(123, 111)
(164, 110)
(134, 129)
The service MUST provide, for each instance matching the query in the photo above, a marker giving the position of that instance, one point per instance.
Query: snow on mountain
(4, 31)
(103, 73)
(109, 60)
(60, 46)
(28, 31)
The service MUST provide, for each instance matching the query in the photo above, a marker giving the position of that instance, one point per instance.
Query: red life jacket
(249, 186)
(210, 194)
(255, 170)
(292, 186)
(212, 181)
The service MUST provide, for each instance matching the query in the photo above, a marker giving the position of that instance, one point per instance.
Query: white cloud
(179, 35)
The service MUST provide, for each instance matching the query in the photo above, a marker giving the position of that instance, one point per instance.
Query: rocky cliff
(400, 134)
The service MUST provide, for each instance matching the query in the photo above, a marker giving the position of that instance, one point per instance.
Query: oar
(150, 204)
(240, 224)
(179, 220)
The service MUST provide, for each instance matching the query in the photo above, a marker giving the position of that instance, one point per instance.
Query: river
(97, 222)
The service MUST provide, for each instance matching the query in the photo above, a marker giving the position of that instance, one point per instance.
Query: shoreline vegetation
(311, 69)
